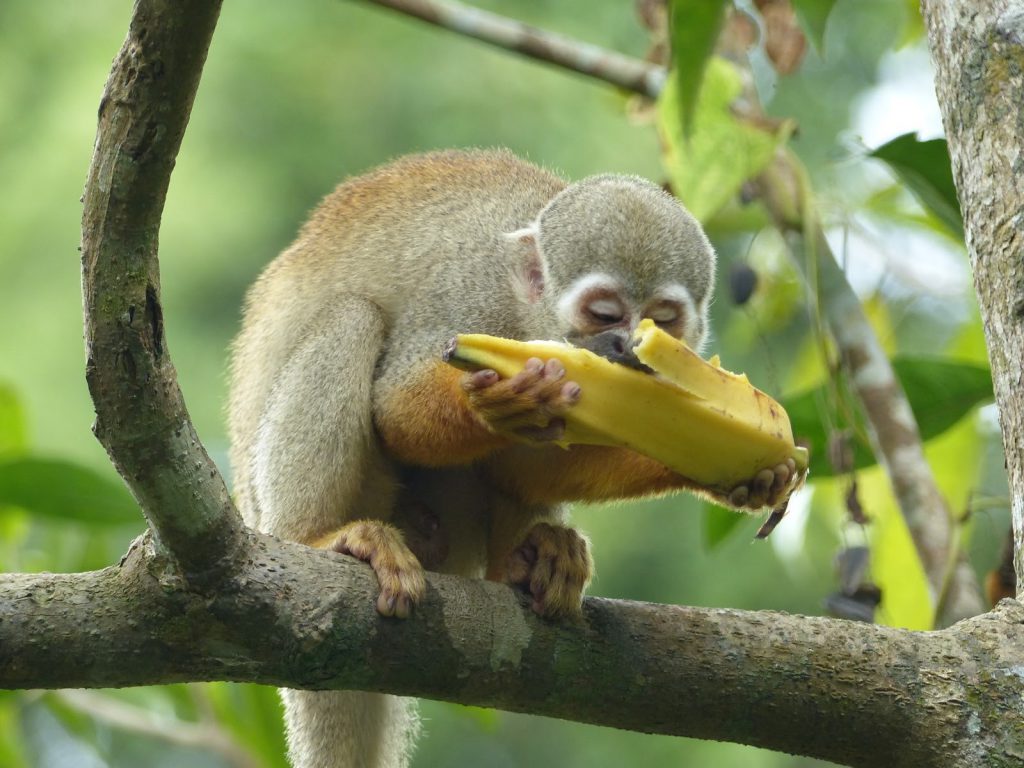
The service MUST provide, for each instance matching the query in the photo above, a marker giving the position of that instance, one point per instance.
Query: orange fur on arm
(551, 475)
(427, 421)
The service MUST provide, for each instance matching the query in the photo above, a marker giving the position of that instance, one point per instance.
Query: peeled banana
(700, 420)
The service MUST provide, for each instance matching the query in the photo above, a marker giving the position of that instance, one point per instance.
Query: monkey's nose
(615, 345)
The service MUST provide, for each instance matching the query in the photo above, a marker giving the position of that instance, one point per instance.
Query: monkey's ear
(529, 271)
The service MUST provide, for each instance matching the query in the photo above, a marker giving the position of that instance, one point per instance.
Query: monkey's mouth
(616, 346)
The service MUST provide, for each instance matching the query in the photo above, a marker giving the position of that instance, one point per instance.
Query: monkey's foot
(399, 573)
(768, 487)
(553, 564)
(529, 406)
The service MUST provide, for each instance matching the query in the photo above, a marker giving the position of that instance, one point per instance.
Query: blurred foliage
(707, 167)
(693, 31)
(298, 96)
(940, 391)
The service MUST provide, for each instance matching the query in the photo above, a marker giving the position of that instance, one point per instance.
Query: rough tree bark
(978, 50)
(194, 600)
(853, 693)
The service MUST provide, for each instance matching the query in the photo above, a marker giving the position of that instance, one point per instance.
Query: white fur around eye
(569, 303)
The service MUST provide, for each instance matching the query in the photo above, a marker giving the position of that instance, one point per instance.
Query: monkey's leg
(429, 414)
(317, 465)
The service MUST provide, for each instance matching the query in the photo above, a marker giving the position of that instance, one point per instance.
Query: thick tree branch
(978, 50)
(838, 690)
(140, 415)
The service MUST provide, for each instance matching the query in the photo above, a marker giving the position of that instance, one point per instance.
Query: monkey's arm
(553, 475)
(424, 418)
(439, 416)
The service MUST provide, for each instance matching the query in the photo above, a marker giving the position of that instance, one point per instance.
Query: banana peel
(706, 423)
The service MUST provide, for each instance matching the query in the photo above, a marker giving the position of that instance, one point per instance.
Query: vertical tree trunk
(978, 49)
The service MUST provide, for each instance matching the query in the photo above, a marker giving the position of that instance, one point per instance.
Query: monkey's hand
(553, 565)
(529, 406)
(770, 486)
(399, 573)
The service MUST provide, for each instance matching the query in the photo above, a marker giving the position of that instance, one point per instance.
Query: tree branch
(623, 71)
(141, 417)
(842, 691)
(978, 50)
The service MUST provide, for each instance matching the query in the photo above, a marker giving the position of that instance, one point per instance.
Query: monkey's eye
(606, 311)
(664, 314)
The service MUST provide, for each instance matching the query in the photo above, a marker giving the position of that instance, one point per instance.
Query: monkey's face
(599, 304)
(615, 250)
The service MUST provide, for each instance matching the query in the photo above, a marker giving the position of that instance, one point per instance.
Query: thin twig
(119, 714)
(623, 71)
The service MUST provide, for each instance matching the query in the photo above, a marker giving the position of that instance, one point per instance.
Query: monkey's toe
(554, 566)
(399, 573)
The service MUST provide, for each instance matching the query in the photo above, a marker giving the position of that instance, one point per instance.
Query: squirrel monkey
(348, 432)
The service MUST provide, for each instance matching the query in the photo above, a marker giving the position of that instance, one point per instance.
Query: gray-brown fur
(388, 268)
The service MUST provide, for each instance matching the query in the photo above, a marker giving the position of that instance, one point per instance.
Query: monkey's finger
(554, 369)
(520, 564)
(571, 392)
(533, 370)
(480, 379)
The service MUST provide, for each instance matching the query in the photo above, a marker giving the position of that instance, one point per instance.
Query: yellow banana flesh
(706, 423)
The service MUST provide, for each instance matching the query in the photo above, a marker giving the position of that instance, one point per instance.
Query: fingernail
(554, 369)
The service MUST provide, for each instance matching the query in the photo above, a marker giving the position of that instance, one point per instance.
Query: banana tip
(450, 348)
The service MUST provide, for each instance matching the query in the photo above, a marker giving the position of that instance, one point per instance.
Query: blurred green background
(295, 97)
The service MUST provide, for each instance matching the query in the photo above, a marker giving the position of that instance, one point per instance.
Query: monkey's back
(387, 234)
(377, 237)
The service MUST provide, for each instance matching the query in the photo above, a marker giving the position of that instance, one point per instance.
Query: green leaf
(813, 16)
(61, 489)
(708, 168)
(940, 391)
(718, 524)
(924, 167)
(13, 431)
(694, 29)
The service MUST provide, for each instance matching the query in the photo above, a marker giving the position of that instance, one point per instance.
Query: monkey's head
(609, 251)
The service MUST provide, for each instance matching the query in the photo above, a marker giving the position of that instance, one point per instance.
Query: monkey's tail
(349, 729)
